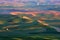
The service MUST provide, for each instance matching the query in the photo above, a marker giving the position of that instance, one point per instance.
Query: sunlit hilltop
(55, 14)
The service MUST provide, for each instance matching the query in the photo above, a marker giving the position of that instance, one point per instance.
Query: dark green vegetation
(41, 37)
(17, 28)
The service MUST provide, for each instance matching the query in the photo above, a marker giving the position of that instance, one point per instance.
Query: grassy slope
(32, 31)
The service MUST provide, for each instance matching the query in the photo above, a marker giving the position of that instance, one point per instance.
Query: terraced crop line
(56, 28)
